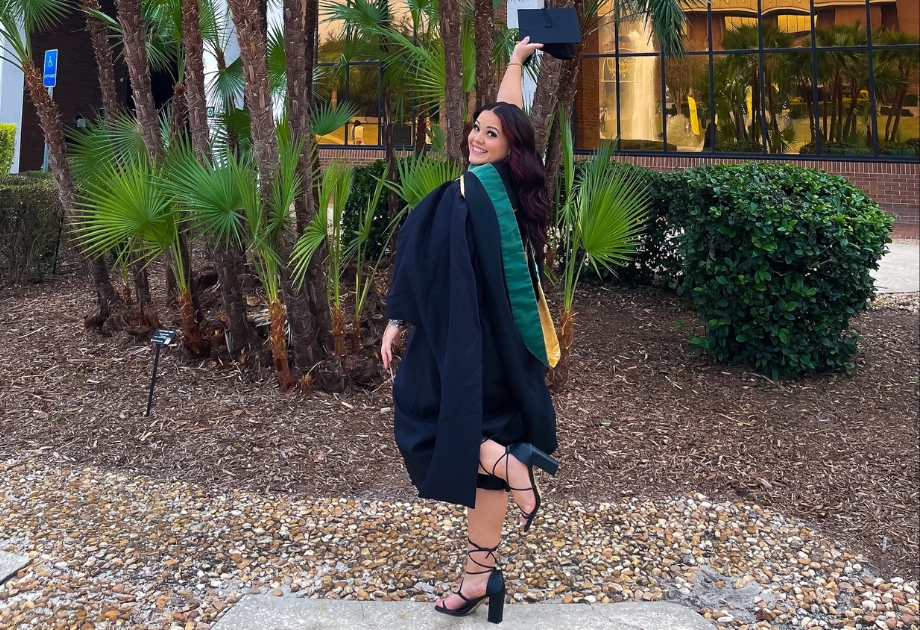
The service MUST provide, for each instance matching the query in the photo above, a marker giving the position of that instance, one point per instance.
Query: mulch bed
(640, 416)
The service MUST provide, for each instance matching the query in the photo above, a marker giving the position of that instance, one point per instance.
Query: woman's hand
(390, 337)
(523, 49)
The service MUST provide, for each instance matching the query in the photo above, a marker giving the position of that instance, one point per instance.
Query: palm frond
(418, 176)
(324, 119)
(102, 144)
(208, 195)
(126, 207)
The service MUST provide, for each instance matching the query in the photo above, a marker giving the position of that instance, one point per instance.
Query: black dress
(466, 373)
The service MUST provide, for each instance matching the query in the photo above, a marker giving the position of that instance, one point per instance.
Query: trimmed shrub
(30, 220)
(835, 148)
(776, 261)
(7, 147)
(362, 188)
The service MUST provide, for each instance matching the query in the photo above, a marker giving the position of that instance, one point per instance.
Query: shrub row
(30, 220)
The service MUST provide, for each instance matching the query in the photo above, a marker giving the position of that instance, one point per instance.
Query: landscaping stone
(9, 564)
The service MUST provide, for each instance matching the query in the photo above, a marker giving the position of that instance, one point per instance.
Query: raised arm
(511, 90)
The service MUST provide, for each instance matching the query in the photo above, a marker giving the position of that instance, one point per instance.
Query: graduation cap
(556, 29)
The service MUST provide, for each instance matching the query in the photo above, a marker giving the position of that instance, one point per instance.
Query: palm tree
(327, 229)
(124, 207)
(31, 16)
(133, 32)
(484, 38)
(449, 21)
(248, 18)
(306, 319)
(600, 223)
(103, 53)
(906, 64)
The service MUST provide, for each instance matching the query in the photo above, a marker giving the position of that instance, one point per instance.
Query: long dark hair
(527, 173)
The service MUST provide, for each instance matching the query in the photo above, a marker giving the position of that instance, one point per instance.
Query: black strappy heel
(495, 588)
(530, 456)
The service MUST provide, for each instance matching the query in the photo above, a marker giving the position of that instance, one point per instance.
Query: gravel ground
(114, 550)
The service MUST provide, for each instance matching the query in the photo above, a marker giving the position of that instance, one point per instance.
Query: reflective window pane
(737, 106)
(844, 119)
(897, 85)
(687, 79)
(788, 99)
(640, 104)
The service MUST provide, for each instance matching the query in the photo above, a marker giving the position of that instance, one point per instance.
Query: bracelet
(397, 322)
(515, 63)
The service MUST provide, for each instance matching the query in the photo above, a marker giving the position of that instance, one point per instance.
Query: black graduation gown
(465, 374)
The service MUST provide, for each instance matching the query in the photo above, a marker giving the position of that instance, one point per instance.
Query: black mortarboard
(556, 29)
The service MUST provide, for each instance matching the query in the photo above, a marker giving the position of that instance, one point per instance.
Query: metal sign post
(49, 80)
(160, 338)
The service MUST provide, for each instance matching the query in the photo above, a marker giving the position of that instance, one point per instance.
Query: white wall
(11, 95)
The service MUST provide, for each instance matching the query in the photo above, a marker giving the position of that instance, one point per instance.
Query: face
(488, 143)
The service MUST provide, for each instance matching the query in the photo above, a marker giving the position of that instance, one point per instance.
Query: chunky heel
(545, 462)
(530, 456)
(496, 592)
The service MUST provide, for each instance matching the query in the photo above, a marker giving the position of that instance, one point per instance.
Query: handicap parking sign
(49, 76)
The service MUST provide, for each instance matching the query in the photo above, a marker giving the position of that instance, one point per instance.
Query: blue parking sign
(49, 76)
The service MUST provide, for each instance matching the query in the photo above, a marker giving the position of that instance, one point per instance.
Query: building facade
(831, 84)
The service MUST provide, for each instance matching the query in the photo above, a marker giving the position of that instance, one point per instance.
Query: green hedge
(30, 219)
(7, 147)
(776, 260)
(363, 185)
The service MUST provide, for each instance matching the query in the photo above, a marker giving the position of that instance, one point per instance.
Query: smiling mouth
(478, 150)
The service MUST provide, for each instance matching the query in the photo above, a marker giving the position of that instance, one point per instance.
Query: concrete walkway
(10, 564)
(899, 269)
(290, 613)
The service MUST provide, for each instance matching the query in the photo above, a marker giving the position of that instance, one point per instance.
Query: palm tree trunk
(560, 374)
(195, 99)
(850, 124)
(298, 45)
(249, 20)
(179, 114)
(141, 285)
(545, 98)
(897, 106)
(449, 15)
(486, 84)
(49, 117)
(812, 123)
(242, 336)
(103, 52)
(135, 51)
(279, 346)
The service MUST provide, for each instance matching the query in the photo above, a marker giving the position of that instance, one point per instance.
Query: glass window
(897, 85)
(687, 80)
(362, 94)
(788, 98)
(740, 35)
(844, 103)
(640, 103)
(737, 105)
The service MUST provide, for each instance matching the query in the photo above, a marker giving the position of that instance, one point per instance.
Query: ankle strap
(490, 553)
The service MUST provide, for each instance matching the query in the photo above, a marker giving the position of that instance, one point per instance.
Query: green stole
(530, 311)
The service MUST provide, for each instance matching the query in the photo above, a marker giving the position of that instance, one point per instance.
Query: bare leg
(484, 523)
(515, 475)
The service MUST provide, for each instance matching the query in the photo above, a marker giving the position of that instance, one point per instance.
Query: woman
(473, 415)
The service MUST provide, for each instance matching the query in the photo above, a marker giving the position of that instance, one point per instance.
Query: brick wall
(894, 185)
(77, 90)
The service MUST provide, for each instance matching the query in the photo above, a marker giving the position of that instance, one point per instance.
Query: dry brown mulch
(640, 416)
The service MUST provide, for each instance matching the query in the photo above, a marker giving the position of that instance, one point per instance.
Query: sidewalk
(899, 269)
(271, 613)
